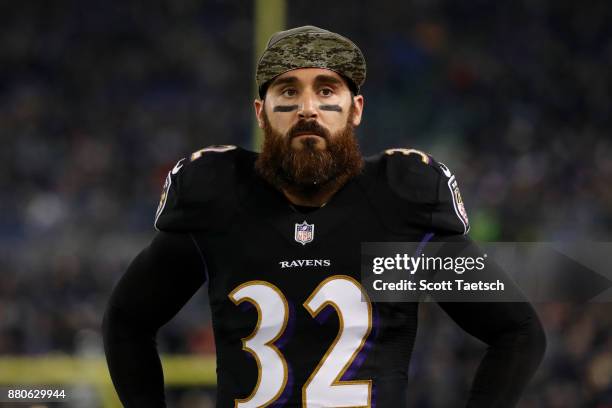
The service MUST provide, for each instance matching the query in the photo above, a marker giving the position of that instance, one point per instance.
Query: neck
(316, 200)
(315, 196)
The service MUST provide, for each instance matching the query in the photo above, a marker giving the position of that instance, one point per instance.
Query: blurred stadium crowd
(99, 99)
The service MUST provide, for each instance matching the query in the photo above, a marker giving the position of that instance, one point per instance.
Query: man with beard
(305, 160)
(277, 236)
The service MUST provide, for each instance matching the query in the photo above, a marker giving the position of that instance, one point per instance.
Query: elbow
(525, 339)
(118, 324)
(530, 340)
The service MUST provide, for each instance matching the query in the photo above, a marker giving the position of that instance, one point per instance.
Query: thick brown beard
(309, 171)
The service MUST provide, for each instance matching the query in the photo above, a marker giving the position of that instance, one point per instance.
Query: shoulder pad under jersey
(416, 178)
(199, 192)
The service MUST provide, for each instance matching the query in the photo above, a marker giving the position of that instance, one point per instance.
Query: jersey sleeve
(198, 193)
(511, 329)
(422, 182)
(156, 285)
(169, 200)
(450, 213)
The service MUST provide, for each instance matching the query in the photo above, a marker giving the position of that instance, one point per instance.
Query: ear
(258, 104)
(357, 109)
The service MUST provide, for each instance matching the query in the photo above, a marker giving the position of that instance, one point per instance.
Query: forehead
(309, 76)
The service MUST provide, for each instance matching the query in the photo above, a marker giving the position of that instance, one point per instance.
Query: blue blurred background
(98, 99)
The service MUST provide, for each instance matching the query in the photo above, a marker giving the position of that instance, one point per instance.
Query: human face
(306, 158)
(309, 95)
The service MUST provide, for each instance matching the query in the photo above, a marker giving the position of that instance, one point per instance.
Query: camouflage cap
(310, 47)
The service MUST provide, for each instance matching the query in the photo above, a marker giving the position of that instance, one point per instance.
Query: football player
(277, 237)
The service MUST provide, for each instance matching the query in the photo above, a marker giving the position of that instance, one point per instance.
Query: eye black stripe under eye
(285, 108)
(335, 108)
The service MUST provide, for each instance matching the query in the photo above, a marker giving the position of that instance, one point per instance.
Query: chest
(293, 251)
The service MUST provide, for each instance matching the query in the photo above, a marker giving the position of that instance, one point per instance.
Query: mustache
(310, 127)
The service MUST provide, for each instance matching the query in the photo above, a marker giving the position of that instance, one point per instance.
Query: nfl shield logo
(304, 232)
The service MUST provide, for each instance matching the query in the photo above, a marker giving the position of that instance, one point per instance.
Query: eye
(326, 92)
(289, 92)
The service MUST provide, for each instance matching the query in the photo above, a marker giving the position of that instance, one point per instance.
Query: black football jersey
(293, 326)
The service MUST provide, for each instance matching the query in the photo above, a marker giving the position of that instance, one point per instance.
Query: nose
(307, 109)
